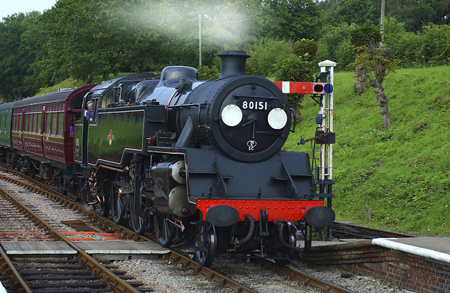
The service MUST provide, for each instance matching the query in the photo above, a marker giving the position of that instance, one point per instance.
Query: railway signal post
(322, 93)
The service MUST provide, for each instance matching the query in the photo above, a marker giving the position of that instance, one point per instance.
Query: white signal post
(326, 171)
(326, 110)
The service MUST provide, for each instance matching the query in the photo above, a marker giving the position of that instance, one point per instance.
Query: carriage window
(60, 123)
(54, 123)
(27, 118)
(49, 122)
(38, 123)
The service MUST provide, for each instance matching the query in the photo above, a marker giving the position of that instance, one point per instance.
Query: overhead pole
(383, 7)
(200, 40)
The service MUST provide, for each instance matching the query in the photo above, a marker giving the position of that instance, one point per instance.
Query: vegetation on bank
(399, 173)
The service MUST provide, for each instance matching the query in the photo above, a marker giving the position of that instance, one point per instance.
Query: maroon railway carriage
(42, 133)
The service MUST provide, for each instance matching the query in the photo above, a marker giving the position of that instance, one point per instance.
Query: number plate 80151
(254, 105)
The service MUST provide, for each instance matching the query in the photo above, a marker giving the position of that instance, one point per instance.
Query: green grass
(400, 173)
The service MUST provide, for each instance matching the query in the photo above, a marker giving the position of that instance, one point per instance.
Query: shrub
(264, 53)
(436, 44)
(205, 73)
(334, 45)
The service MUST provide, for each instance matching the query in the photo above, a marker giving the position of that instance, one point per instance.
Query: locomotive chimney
(233, 63)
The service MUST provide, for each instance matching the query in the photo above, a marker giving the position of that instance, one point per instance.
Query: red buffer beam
(296, 87)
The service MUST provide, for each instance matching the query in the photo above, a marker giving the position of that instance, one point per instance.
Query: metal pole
(383, 5)
(200, 40)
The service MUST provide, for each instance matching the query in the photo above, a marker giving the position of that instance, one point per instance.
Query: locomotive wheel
(104, 204)
(206, 241)
(103, 195)
(289, 237)
(164, 230)
(117, 203)
(33, 172)
(137, 222)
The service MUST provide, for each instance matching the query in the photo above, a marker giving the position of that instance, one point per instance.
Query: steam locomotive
(197, 162)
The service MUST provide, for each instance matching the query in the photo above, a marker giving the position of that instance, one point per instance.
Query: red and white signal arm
(295, 87)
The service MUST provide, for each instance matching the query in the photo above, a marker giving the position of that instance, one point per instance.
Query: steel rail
(365, 232)
(15, 280)
(212, 275)
(111, 279)
(307, 279)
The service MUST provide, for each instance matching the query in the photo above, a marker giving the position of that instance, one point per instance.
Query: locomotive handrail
(295, 121)
(258, 97)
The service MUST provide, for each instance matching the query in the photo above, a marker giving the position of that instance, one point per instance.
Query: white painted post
(327, 110)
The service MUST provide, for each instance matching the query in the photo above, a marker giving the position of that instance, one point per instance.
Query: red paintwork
(55, 147)
(299, 87)
(288, 210)
(68, 136)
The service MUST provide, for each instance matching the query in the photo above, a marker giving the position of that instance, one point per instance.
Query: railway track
(37, 281)
(348, 230)
(175, 257)
(307, 279)
(107, 225)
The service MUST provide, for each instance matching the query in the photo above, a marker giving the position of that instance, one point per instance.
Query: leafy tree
(435, 46)
(413, 13)
(294, 19)
(17, 55)
(362, 37)
(33, 42)
(372, 64)
(356, 11)
(54, 24)
(441, 9)
(377, 65)
(297, 66)
(264, 54)
(335, 45)
(206, 73)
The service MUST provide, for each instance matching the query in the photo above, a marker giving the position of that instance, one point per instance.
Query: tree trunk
(379, 92)
(383, 103)
(360, 83)
(297, 112)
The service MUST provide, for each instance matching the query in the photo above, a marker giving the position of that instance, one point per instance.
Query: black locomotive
(198, 162)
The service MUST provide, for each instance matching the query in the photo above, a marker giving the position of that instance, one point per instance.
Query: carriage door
(85, 123)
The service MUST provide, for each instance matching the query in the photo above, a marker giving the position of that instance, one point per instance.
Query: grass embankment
(400, 173)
